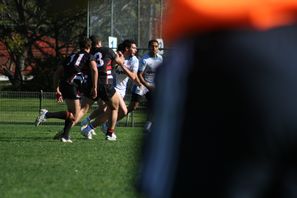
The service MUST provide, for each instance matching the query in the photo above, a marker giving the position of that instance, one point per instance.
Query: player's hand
(59, 97)
(120, 59)
(94, 93)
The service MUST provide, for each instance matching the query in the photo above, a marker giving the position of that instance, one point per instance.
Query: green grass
(24, 110)
(35, 165)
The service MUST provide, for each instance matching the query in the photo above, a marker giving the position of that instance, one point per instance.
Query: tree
(26, 22)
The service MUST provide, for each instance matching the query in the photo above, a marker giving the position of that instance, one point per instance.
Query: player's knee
(125, 111)
(70, 116)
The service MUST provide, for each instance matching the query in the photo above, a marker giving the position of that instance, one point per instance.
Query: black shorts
(69, 91)
(104, 92)
(138, 98)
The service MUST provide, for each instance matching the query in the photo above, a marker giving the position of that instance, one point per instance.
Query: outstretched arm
(57, 76)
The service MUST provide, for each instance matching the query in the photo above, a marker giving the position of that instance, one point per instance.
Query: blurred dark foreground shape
(225, 106)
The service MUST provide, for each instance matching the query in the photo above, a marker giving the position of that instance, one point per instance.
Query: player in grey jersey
(146, 74)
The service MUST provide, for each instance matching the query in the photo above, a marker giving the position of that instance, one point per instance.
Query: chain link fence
(24, 107)
(140, 20)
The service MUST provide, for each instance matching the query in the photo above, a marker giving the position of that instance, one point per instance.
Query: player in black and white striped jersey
(106, 58)
(122, 75)
(69, 80)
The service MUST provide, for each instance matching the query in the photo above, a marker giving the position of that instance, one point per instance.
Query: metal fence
(23, 108)
(140, 20)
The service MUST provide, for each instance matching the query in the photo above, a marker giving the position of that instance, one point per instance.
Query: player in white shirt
(131, 63)
(146, 74)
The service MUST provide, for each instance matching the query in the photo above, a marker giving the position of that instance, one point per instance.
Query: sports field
(34, 165)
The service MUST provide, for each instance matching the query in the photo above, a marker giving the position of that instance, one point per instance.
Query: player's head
(121, 47)
(85, 43)
(130, 46)
(153, 46)
(96, 42)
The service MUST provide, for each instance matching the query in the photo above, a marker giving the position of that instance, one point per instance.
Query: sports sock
(85, 121)
(110, 131)
(89, 127)
(67, 127)
(68, 124)
(60, 115)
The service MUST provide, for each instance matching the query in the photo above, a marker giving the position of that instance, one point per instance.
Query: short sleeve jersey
(148, 66)
(77, 63)
(132, 63)
(104, 58)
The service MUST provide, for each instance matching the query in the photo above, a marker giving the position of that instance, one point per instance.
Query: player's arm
(147, 85)
(56, 79)
(94, 72)
(140, 74)
(119, 59)
(131, 74)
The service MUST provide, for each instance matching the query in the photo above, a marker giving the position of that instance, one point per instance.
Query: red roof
(41, 49)
(4, 56)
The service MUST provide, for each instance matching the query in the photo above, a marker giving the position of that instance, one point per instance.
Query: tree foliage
(24, 23)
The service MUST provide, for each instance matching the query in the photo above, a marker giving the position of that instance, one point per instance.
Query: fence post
(132, 119)
(127, 120)
(40, 99)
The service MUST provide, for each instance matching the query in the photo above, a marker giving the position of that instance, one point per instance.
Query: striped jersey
(104, 58)
(76, 66)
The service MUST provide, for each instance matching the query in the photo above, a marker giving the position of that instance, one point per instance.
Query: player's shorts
(138, 98)
(140, 90)
(121, 92)
(69, 91)
(105, 92)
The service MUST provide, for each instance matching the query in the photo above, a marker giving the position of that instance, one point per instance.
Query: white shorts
(121, 92)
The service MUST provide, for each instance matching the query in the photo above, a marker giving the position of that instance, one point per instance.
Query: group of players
(98, 74)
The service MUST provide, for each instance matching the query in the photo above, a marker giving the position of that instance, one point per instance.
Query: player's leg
(101, 117)
(73, 107)
(101, 108)
(148, 124)
(113, 106)
(72, 100)
(134, 103)
(45, 114)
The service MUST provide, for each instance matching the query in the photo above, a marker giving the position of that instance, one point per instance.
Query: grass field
(34, 165)
(22, 109)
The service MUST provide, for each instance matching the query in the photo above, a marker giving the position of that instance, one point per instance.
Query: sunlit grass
(34, 165)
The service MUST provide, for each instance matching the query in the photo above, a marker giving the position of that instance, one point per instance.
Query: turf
(35, 165)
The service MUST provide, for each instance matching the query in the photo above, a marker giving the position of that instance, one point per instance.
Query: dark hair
(152, 41)
(95, 40)
(121, 47)
(128, 42)
(85, 43)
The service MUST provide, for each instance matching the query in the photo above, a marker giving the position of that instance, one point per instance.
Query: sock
(85, 121)
(67, 127)
(110, 131)
(89, 127)
(60, 115)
